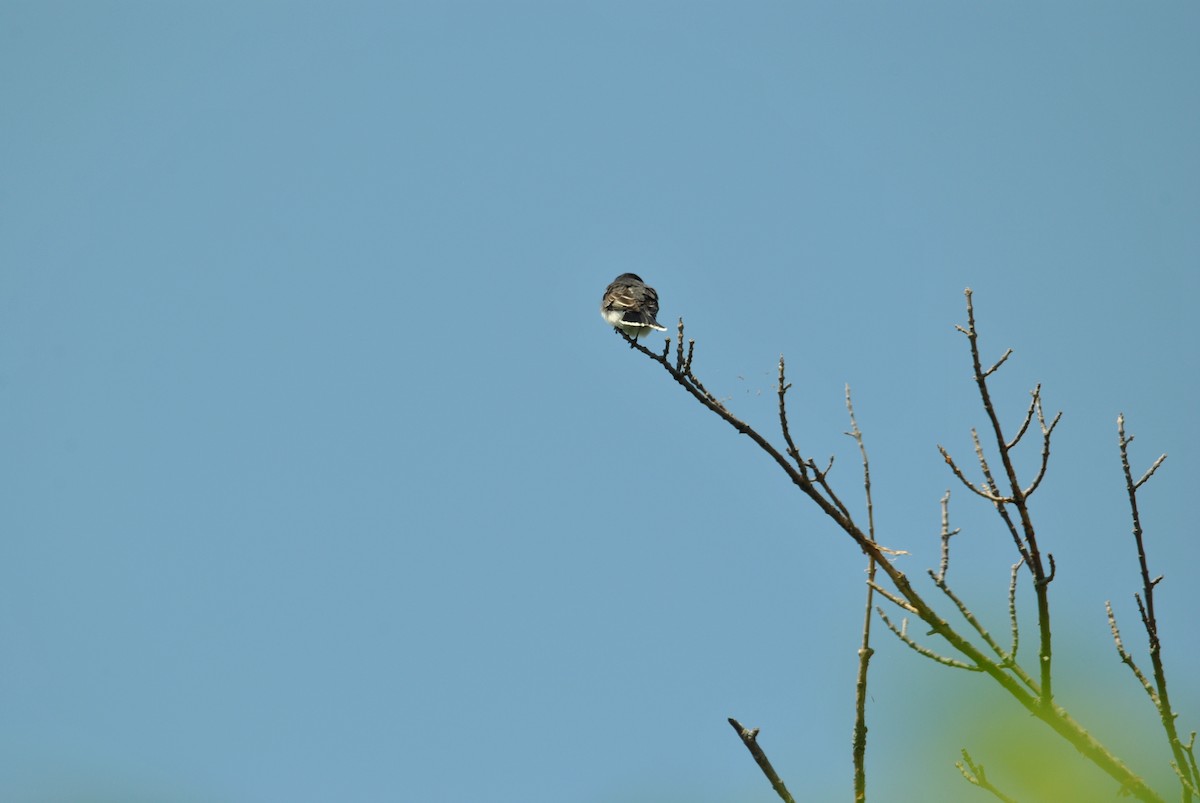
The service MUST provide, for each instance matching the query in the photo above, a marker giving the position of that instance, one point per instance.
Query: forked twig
(1007, 659)
(1184, 764)
(1017, 497)
(986, 493)
(1033, 403)
(975, 774)
(902, 634)
(1126, 658)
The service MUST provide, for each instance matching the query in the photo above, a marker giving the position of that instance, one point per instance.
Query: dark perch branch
(817, 489)
(794, 452)
(1185, 763)
(1017, 497)
(750, 739)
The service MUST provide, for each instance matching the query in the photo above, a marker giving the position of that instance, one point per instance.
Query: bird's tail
(639, 318)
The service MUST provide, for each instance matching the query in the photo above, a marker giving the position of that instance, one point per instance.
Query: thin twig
(898, 601)
(975, 774)
(999, 501)
(1126, 658)
(1012, 609)
(902, 634)
(1036, 393)
(750, 739)
(972, 620)
(999, 362)
(947, 534)
(1190, 749)
(986, 494)
(1006, 659)
(1150, 471)
(1046, 432)
(865, 651)
(856, 433)
(679, 346)
(783, 421)
(1188, 787)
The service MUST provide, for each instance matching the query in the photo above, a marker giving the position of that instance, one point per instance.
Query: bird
(630, 305)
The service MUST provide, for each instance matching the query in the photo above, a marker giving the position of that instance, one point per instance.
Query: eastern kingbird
(629, 305)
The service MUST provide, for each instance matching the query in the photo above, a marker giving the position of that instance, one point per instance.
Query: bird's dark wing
(637, 303)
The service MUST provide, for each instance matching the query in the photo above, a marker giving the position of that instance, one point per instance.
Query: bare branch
(856, 433)
(989, 492)
(1014, 533)
(828, 467)
(1012, 609)
(1126, 658)
(1150, 471)
(902, 634)
(750, 739)
(999, 362)
(1184, 759)
(859, 751)
(822, 481)
(976, 658)
(970, 617)
(1184, 781)
(1007, 659)
(703, 390)
(1046, 431)
(1142, 612)
(1190, 749)
(947, 534)
(1033, 403)
(988, 495)
(865, 651)
(986, 469)
(974, 774)
(899, 602)
(1027, 542)
(783, 421)
(678, 346)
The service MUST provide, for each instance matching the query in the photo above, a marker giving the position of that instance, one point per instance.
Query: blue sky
(324, 479)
